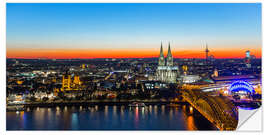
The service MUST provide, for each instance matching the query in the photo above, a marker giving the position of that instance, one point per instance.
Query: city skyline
(132, 30)
(125, 53)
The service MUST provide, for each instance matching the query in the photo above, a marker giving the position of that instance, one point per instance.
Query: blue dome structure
(241, 86)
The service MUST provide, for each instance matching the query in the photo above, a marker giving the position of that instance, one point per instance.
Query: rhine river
(151, 117)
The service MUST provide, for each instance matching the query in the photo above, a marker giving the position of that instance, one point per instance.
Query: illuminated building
(190, 78)
(166, 71)
(241, 88)
(76, 83)
(19, 82)
(215, 73)
(83, 66)
(76, 80)
(68, 84)
(247, 54)
(247, 59)
(185, 69)
(258, 89)
(54, 80)
(16, 62)
(55, 91)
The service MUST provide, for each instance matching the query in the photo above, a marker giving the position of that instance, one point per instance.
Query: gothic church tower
(166, 71)
(161, 60)
(169, 57)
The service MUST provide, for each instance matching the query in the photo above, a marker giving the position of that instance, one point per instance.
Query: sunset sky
(132, 30)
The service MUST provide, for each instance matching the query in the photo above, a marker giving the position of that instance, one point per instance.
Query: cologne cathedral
(166, 71)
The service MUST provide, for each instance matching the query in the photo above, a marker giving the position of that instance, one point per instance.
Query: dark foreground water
(108, 118)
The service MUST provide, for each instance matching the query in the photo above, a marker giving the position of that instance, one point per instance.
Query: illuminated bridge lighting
(241, 86)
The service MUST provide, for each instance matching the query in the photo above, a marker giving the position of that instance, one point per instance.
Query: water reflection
(49, 112)
(57, 111)
(114, 110)
(189, 117)
(184, 108)
(190, 123)
(150, 109)
(146, 110)
(155, 110)
(106, 111)
(162, 109)
(143, 112)
(81, 108)
(107, 117)
(21, 114)
(66, 117)
(92, 110)
(171, 114)
(136, 117)
(122, 111)
(74, 122)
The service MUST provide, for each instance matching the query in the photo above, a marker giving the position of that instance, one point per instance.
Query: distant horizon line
(128, 53)
(122, 58)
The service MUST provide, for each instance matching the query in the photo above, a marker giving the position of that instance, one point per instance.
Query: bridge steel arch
(219, 111)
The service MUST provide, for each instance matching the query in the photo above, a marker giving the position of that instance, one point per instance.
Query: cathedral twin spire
(169, 58)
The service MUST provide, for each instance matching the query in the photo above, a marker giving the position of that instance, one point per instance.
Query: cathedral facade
(166, 71)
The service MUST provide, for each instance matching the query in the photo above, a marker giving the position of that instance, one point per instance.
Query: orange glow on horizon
(124, 53)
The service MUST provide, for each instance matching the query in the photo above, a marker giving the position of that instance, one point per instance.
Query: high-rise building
(206, 54)
(247, 59)
(166, 71)
(247, 54)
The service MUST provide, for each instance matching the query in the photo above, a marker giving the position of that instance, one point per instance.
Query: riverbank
(93, 102)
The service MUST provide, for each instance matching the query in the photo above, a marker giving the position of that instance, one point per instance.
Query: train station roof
(238, 77)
